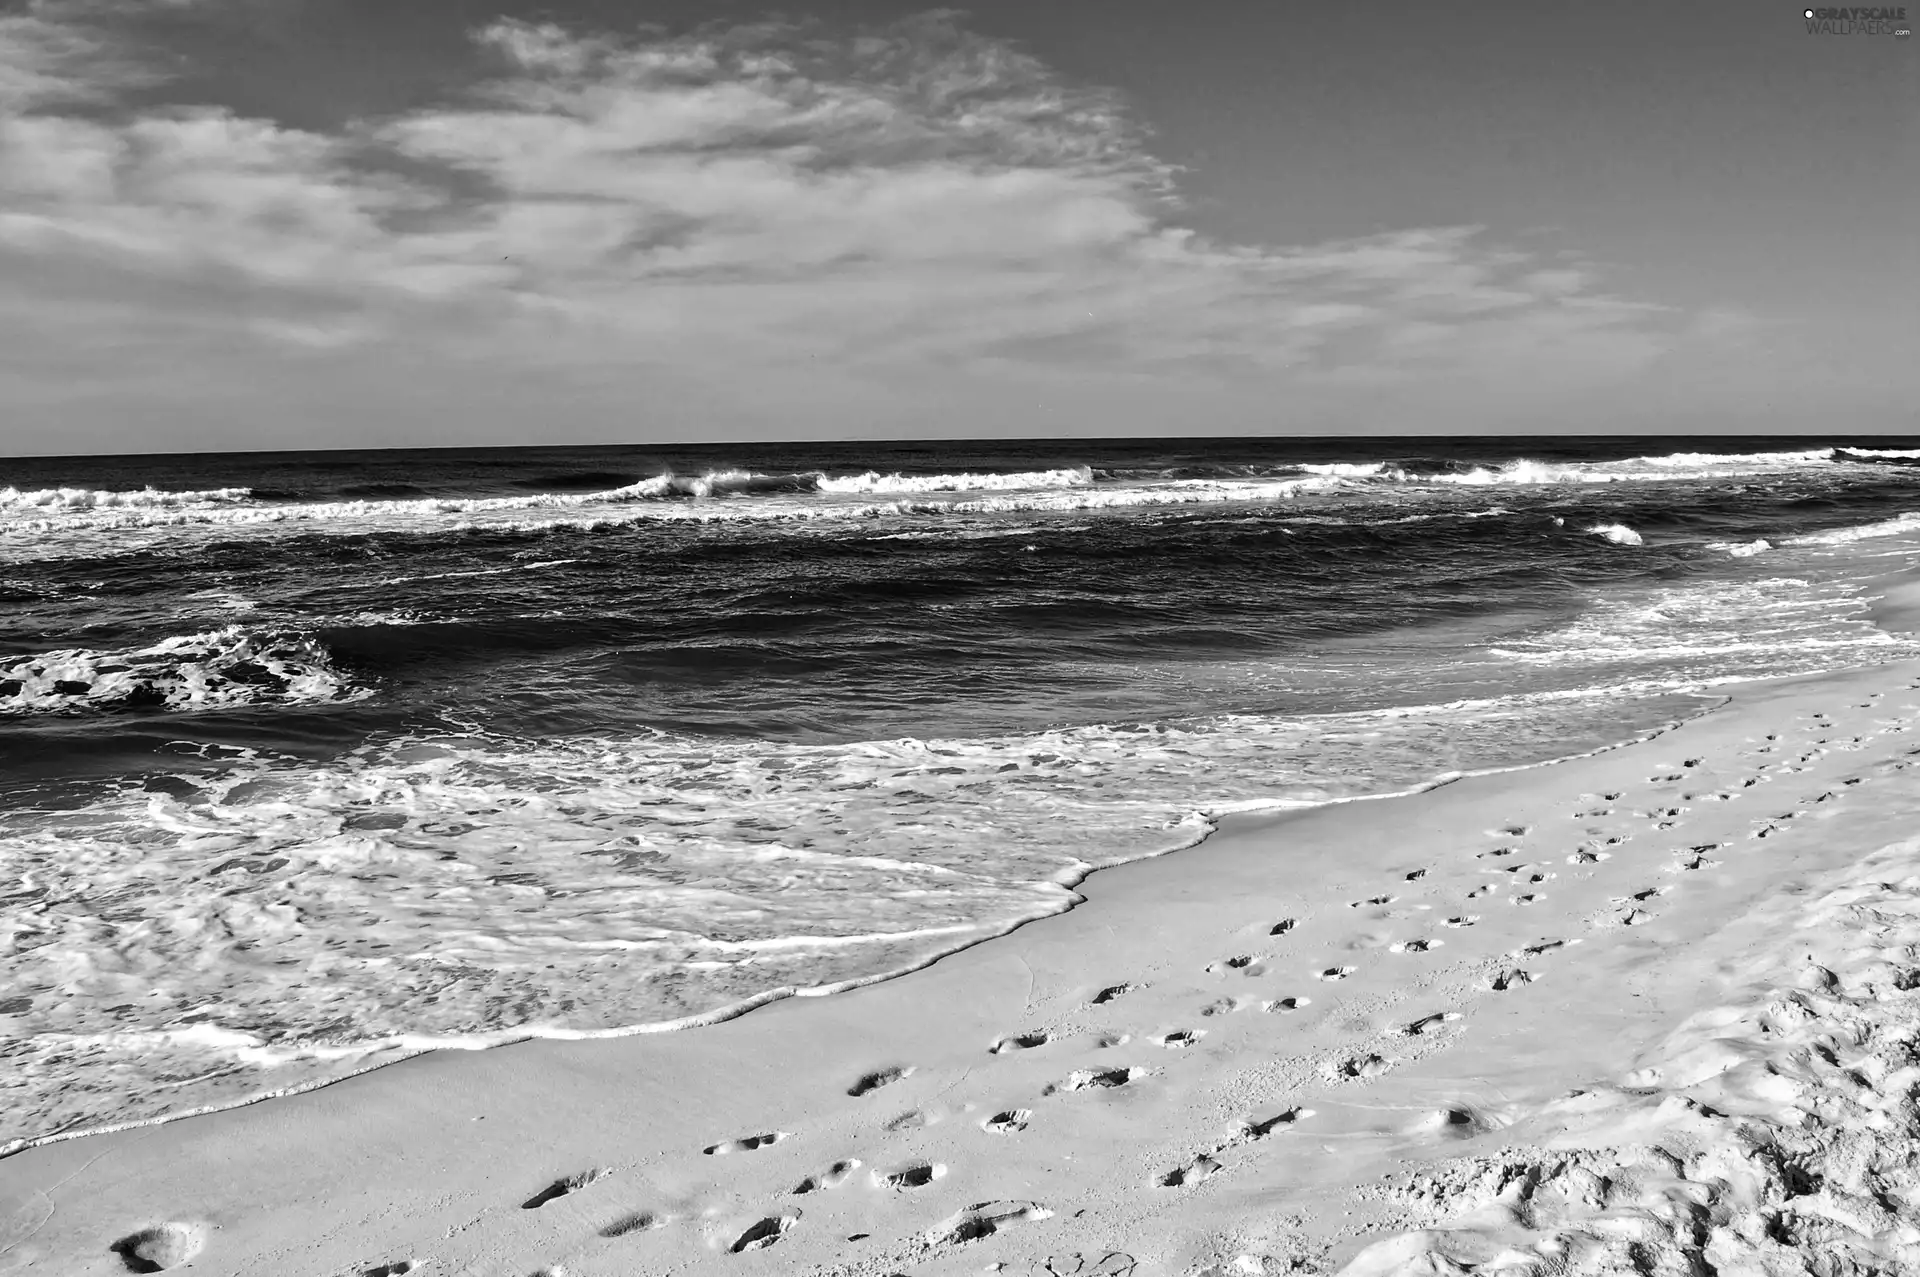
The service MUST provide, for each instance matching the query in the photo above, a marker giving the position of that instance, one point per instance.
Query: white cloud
(762, 213)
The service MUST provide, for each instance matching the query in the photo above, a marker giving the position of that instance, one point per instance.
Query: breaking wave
(1896, 526)
(1674, 466)
(221, 668)
(56, 499)
(739, 494)
(1618, 533)
(872, 482)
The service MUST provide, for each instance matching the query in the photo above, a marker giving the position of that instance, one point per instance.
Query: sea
(313, 761)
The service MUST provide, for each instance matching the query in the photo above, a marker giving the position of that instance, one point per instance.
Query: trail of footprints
(158, 1248)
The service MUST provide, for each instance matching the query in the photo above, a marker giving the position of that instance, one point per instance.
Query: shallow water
(312, 760)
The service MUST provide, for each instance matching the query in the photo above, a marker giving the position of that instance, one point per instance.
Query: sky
(268, 224)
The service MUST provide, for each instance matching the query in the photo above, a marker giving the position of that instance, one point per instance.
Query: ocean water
(311, 761)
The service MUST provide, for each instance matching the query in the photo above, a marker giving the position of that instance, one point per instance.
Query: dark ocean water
(310, 760)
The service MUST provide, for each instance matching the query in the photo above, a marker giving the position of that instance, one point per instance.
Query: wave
(54, 499)
(1183, 492)
(1673, 466)
(1357, 470)
(401, 516)
(728, 494)
(1521, 471)
(1896, 526)
(714, 483)
(1741, 549)
(874, 482)
(1618, 533)
(220, 668)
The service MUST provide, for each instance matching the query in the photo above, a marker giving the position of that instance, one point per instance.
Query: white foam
(875, 482)
(1771, 627)
(226, 667)
(1357, 470)
(61, 499)
(1618, 533)
(303, 918)
(1899, 525)
(1671, 467)
(1741, 549)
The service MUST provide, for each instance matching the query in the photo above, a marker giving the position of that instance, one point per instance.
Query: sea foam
(225, 667)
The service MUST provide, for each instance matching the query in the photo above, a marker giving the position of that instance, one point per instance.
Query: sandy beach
(1647, 1010)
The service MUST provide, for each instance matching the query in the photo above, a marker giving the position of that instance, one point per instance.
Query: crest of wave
(1678, 465)
(96, 499)
(1618, 533)
(1357, 470)
(874, 482)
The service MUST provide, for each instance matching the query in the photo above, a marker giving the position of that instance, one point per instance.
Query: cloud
(755, 215)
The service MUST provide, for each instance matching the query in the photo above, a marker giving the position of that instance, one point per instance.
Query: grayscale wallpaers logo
(1867, 21)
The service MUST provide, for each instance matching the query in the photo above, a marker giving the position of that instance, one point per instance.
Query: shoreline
(1210, 821)
(433, 1161)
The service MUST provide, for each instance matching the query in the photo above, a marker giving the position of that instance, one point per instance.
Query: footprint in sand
(1370, 900)
(1459, 1122)
(763, 1234)
(398, 1268)
(1532, 898)
(1336, 973)
(1260, 1130)
(1180, 1039)
(164, 1246)
(833, 1177)
(1359, 1067)
(1414, 946)
(985, 1219)
(1506, 980)
(1008, 1122)
(1286, 1005)
(1019, 1042)
(1482, 890)
(1221, 1006)
(1112, 1263)
(1461, 920)
(1095, 1079)
(1245, 964)
(561, 1187)
(1419, 1027)
(1543, 946)
(1416, 875)
(1111, 992)
(1585, 857)
(1200, 1168)
(746, 1144)
(915, 1175)
(1496, 851)
(874, 1081)
(639, 1222)
(1283, 926)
